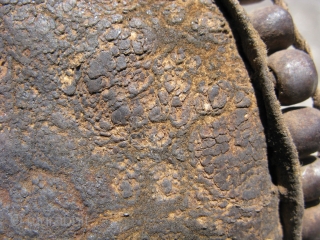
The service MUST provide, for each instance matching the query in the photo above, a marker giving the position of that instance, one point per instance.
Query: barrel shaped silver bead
(304, 127)
(275, 27)
(296, 75)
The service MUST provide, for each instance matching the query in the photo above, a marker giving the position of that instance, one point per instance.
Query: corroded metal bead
(310, 176)
(304, 127)
(249, 1)
(311, 223)
(296, 75)
(275, 26)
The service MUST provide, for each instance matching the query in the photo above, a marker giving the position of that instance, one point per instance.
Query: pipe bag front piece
(130, 119)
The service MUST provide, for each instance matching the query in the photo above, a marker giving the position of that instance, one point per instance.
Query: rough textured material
(132, 119)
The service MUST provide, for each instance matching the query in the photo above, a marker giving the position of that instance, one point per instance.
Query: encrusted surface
(129, 119)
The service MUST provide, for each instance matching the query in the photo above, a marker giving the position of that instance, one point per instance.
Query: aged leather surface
(128, 119)
(283, 156)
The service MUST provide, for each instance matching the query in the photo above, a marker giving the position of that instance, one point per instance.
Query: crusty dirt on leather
(139, 120)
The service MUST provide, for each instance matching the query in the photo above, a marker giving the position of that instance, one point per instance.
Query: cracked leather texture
(128, 119)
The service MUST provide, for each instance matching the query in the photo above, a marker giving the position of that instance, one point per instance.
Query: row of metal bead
(296, 80)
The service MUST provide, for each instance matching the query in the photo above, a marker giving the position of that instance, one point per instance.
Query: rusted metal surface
(132, 119)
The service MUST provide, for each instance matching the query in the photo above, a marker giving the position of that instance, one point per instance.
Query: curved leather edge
(283, 156)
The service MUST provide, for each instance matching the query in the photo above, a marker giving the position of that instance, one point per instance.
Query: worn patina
(132, 119)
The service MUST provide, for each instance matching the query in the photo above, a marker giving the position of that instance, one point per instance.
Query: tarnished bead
(304, 127)
(311, 223)
(249, 1)
(316, 99)
(310, 176)
(275, 27)
(296, 75)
